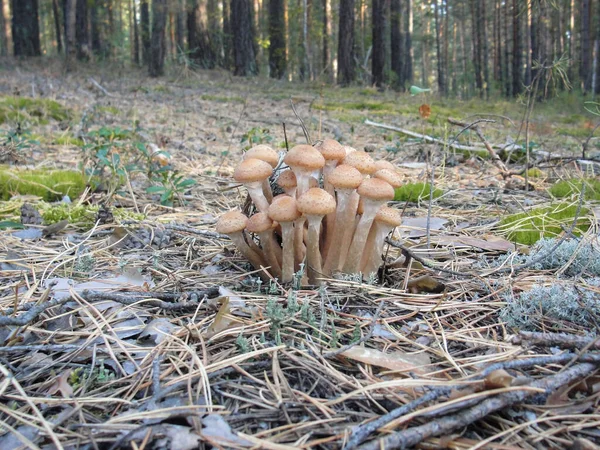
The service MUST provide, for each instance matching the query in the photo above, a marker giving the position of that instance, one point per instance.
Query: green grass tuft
(415, 192)
(569, 188)
(48, 184)
(535, 173)
(546, 222)
(32, 110)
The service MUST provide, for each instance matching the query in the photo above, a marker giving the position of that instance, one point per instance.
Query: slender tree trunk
(476, 33)
(57, 28)
(326, 57)
(244, 57)
(157, 41)
(507, 50)
(227, 36)
(277, 56)
(378, 54)
(396, 44)
(81, 30)
(4, 41)
(201, 50)
(346, 72)
(517, 72)
(25, 28)
(70, 23)
(145, 31)
(586, 45)
(136, 35)
(408, 49)
(441, 78)
(180, 19)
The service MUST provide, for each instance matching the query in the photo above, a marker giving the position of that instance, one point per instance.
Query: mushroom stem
(299, 247)
(313, 255)
(287, 262)
(271, 248)
(255, 259)
(348, 232)
(374, 259)
(361, 233)
(341, 215)
(256, 194)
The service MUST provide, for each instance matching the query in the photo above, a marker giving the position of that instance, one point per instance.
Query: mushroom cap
(345, 177)
(231, 222)
(376, 189)
(384, 164)
(252, 170)
(264, 153)
(389, 216)
(287, 179)
(332, 150)
(362, 161)
(317, 202)
(305, 158)
(259, 222)
(348, 149)
(390, 176)
(284, 209)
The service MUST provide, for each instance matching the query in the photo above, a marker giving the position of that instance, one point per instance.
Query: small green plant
(242, 344)
(569, 188)
(172, 186)
(17, 141)
(92, 377)
(255, 136)
(529, 227)
(415, 192)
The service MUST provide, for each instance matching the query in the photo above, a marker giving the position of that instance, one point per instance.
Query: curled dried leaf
(498, 379)
(425, 111)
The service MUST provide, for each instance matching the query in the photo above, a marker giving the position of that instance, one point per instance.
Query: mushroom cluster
(332, 215)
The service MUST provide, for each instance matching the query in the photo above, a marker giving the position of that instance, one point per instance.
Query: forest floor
(126, 321)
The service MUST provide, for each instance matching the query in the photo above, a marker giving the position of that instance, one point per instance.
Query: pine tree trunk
(70, 23)
(25, 28)
(227, 36)
(4, 44)
(326, 33)
(483, 39)
(81, 30)
(199, 42)
(378, 54)
(57, 29)
(136, 35)
(396, 43)
(586, 45)
(145, 31)
(346, 72)
(408, 49)
(157, 40)
(277, 56)
(507, 50)
(244, 57)
(476, 45)
(180, 18)
(517, 72)
(441, 79)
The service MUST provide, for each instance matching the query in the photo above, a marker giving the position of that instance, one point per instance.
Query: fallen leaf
(498, 379)
(61, 384)
(394, 361)
(55, 228)
(178, 437)
(223, 319)
(417, 226)
(217, 431)
(425, 283)
(425, 111)
(158, 330)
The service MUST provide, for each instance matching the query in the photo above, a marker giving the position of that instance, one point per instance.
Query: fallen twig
(99, 86)
(562, 340)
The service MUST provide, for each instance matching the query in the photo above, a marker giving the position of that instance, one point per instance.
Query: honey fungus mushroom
(285, 211)
(251, 173)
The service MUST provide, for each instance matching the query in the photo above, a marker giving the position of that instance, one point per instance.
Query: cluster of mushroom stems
(332, 217)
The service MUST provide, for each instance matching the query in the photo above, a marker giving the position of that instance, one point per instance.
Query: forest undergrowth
(127, 321)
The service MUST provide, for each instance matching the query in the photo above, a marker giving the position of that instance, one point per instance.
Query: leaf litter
(181, 345)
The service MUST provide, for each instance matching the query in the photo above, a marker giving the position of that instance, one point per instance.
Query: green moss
(34, 110)
(535, 173)
(108, 110)
(415, 192)
(574, 132)
(84, 215)
(222, 98)
(529, 227)
(67, 139)
(162, 89)
(568, 188)
(47, 184)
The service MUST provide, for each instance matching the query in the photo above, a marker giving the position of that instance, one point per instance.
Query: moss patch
(222, 98)
(67, 139)
(47, 184)
(33, 110)
(568, 188)
(529, 227)
(415, 192)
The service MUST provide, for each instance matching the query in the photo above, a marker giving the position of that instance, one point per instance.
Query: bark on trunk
(277, 57)
(396, 43)
(57, 29)
(157, 41)
(346, 72)
(25, 28)
(145, 31)
(244, 57)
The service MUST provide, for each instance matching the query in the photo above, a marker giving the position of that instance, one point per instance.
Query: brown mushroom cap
(383, 164)
(362, 161)
(390, 176)
(284, 209)
(345, 177)
(259, 222)
(348, 149)
(304, 157)
(316, 202)
(252, 170)
(287, 179)
(264, 153)
(389, 216)
(376, 189)
(231, 222)
(332, 150)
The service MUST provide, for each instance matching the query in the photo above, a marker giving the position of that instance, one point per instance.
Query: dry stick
(414, 435)
(304, 129)
(562, 340)
(362, 432)
(124, 298)
(493, 155)
(104, 91)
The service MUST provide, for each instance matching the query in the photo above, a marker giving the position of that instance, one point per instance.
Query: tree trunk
(4, 43)
(441, 77)
(507, 79)
(57, 29)
(227, 35)
(136, 35)
(81, 30)
(476, 33)
(244, 57)
(70, 22)
(378, 55)
(396, 43)
(517, 69)
(305, 63)
(408, 50)
(586, 45)
(346, 72)
(157, 41)
(326, 33)
(145, 31)
(200, 47)
(25, 28)
(483, 39)
(277, 57)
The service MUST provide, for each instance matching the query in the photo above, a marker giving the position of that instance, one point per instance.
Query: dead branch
(414, 435)
(99, 86)
(562, 340)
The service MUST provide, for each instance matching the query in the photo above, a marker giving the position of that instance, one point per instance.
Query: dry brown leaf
(223, 319)
(498, 379)
(425, 111)
(54, 228)
(393, 361)
(61, 384)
